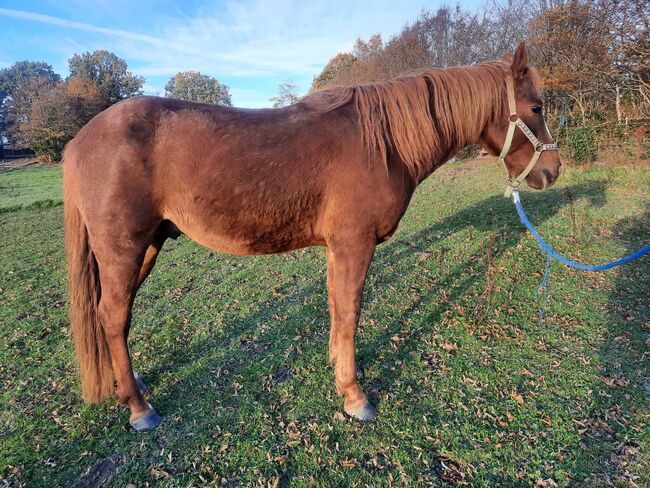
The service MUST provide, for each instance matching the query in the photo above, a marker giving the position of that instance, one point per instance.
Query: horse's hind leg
(150, 258)
(120, 273)
(147, 265)
(165, 230)
(347, 264)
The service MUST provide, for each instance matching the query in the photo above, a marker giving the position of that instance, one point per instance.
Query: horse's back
(236, 180)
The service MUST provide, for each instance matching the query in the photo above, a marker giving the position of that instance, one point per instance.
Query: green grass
(25, 188)
(469, 384)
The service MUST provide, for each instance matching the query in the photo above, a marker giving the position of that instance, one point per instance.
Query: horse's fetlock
(122, 396)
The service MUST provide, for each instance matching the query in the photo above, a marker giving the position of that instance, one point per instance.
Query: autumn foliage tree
(110, 74)
(42, 112)
(197, 87)
(447, 37)
(56, 113)
(593, 56)
(14, 108)
(333, 70)
(571, 45)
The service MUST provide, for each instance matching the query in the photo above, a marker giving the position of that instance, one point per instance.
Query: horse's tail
(84, 292)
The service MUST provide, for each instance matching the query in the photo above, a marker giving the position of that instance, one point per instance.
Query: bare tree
(287, 94)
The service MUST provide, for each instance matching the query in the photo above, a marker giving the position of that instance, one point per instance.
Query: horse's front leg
(347, 264)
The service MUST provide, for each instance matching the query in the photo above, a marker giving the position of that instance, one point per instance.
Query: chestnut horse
(337, 169)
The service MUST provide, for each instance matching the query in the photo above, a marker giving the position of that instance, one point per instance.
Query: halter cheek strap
(515, 122)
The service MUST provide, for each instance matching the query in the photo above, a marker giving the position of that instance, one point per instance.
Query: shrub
(582, 143)
(468, 152)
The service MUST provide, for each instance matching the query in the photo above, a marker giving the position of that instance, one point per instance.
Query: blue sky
(250, 45)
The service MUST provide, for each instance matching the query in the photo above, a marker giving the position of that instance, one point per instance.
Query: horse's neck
(447, 151)
(434, 166)
(461, 124)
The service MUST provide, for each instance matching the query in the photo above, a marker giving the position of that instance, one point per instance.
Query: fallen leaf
(517, 397)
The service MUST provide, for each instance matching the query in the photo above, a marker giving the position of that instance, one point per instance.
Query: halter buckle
(514, 184)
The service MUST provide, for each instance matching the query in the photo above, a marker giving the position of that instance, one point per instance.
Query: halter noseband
(515, 121)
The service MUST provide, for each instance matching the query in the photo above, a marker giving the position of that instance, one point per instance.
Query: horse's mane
(423, 117)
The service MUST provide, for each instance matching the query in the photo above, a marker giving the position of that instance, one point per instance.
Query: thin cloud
(257, 57)
(244, 42)
(47, 19)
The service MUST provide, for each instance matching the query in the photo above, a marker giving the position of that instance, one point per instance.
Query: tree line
(595, 54)
(42, 111)
(593, 57)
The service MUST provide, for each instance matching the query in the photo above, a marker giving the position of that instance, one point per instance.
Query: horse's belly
(245, 241)
(259, 217)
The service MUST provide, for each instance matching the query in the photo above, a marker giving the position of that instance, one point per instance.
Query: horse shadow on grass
(264, 368)
(614, 423)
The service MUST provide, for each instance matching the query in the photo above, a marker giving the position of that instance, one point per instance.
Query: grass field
(470, 385)
(25, 188)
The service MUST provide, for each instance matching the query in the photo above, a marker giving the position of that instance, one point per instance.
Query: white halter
(515, 121)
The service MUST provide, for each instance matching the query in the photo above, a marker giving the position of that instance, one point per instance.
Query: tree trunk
(619, 115)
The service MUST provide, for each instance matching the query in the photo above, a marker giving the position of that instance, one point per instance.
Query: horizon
(262, 42)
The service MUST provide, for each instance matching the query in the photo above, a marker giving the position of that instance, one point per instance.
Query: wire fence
(587, 142)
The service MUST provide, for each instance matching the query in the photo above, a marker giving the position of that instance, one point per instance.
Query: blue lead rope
(550, 251)
(551, 254)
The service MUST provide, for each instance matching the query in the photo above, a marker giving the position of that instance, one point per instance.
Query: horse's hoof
(148, 421)
(360, 372)
(141, 386)
(363, 412)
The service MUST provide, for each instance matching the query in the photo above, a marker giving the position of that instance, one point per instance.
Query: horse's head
(521, 136)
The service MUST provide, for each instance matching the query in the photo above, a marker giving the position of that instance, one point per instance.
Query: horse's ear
(520, 61)
(507, 57)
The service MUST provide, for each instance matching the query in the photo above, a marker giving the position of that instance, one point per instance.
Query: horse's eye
(537, 109)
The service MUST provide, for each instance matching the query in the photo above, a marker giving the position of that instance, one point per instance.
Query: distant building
(8, 152)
